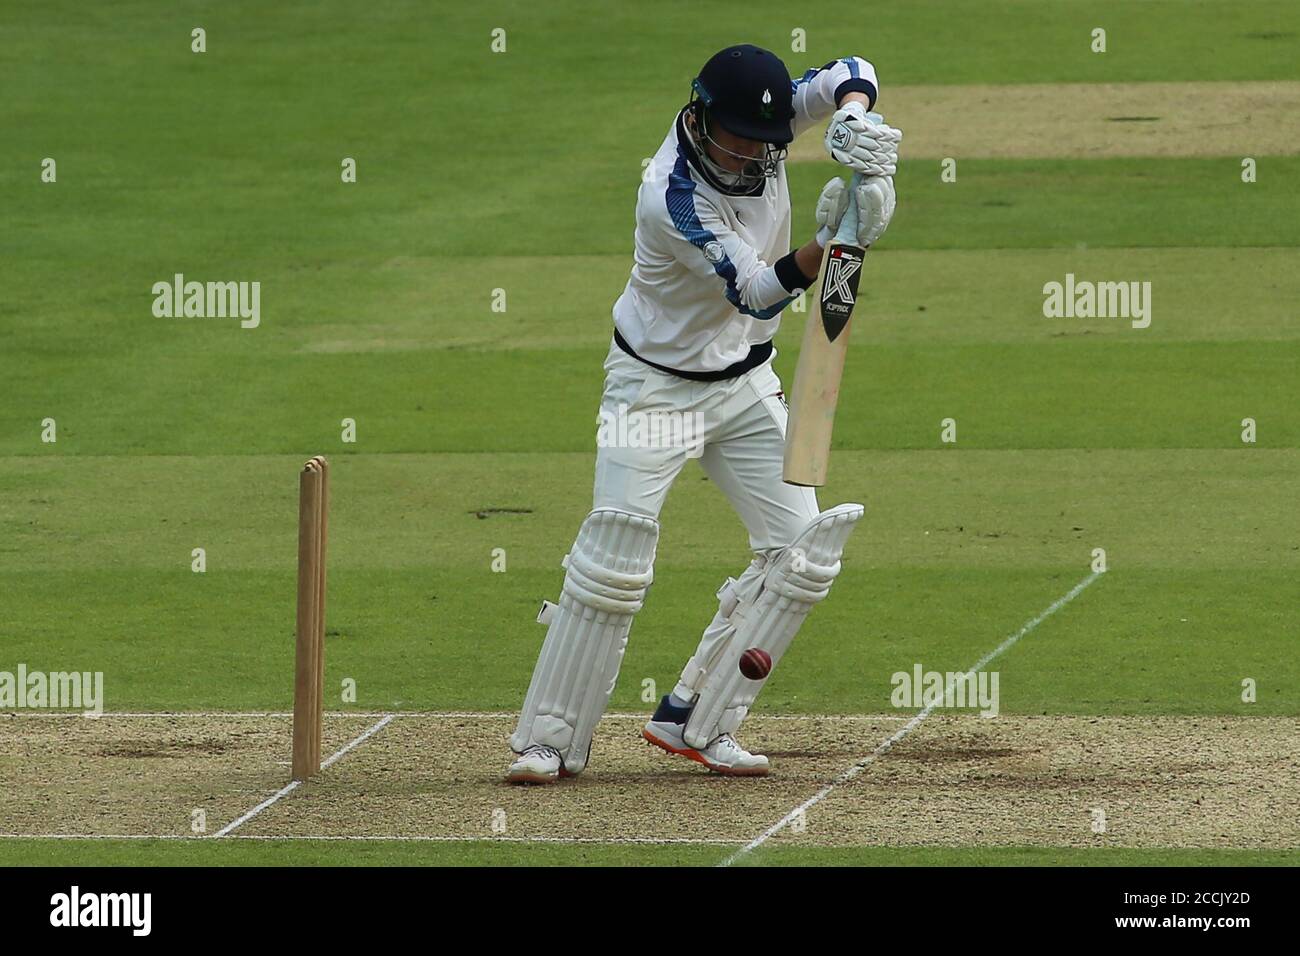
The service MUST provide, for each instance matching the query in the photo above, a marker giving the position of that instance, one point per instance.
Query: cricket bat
(821, 358)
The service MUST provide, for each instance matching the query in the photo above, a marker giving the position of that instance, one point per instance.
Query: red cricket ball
(756, 663)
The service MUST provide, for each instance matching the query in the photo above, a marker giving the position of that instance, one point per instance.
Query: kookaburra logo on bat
(839, 289)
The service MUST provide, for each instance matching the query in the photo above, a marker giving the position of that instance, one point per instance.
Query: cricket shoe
(723, 754)
(537, 764)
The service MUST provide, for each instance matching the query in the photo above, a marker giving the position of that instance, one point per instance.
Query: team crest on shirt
(713, 252)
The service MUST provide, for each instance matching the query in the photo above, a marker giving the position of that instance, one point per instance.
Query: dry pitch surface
(952, 781)
(1089, 120)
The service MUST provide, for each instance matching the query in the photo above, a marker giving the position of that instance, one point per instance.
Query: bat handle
(848, 231)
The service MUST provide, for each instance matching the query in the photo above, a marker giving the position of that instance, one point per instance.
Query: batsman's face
(736, 150)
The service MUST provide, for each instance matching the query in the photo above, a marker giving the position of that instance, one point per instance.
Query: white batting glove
(865, 145)
(876, 200)
(831, 206)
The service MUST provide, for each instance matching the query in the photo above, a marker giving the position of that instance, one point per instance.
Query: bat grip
(848, 231)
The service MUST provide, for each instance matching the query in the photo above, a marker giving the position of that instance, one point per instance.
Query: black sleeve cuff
(856, 85)
(790, 276)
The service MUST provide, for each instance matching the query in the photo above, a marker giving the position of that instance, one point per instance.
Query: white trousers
(736, 428)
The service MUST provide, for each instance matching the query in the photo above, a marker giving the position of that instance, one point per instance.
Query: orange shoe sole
(698, 757)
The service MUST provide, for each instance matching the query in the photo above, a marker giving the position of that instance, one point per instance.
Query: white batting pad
(795, 580)
(608, 571)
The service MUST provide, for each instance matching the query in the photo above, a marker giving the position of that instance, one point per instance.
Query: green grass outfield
(519, 171)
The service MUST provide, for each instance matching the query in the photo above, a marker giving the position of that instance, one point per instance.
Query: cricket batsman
(693, 330)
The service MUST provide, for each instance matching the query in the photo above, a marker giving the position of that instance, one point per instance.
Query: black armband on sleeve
(856, 85)
(790, 275)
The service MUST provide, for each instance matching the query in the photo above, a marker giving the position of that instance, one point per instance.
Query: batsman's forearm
(809, 260)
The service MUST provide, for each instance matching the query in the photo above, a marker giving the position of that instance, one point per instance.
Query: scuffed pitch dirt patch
(955, 781)
(143, 775)
(1089, 120)
(1043, 781)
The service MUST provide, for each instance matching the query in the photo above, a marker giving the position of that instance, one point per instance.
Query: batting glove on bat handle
(831, 206)
(863, 141)
(872, 202)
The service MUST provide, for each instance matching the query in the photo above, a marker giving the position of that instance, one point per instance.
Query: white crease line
(907, 728)
(374, 729)
(400, 715)
(350, 838)
(240, 821)
(293, 785)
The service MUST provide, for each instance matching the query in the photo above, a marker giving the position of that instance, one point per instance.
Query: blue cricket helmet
(747, 91)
